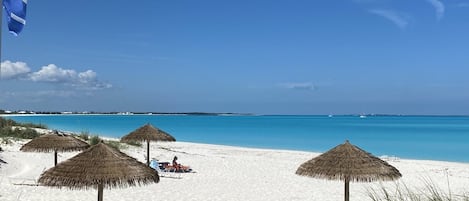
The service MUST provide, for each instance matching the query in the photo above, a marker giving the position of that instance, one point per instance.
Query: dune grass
(9, 123)
(95, 139)
(22, 130)
(402, 192)
(27, 133)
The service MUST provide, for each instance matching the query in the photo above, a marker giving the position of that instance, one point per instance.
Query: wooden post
(148, 152)
(100, 192)
(347, 194)
(55, 158)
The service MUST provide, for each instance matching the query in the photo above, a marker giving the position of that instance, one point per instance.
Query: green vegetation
(85, 135)
(22, 131)
(134, 143)
(115, 144)
(94, 140)
(5, 140)
(31, 125)
(112, 143)
(8, 123)
(26, 133)
(401, 192)
(12, 130)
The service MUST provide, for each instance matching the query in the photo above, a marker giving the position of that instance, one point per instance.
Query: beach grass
(26, 133)
(115, 144)
(95, 139)
(9, 123)
(85, 135)
(13, 129)
(134, 143)
(402, 192)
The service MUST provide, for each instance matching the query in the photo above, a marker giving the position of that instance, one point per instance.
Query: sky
(246, 56)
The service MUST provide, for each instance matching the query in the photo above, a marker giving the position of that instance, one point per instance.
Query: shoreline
(384, 156)
(211, 130)
(136, 114)
(244, 114)
(227, 173)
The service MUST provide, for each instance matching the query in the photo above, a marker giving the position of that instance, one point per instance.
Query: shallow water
(418, 137)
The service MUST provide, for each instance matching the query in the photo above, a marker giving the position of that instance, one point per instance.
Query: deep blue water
(418, 137)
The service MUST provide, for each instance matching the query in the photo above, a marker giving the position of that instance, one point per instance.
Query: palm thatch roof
(99, 165)
(54, 141)
(347, 161)
(148, 133)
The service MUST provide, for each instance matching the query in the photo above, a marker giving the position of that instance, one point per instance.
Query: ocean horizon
(426, 137)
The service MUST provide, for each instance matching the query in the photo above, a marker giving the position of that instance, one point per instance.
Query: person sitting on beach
(177, 167)
(175, 164)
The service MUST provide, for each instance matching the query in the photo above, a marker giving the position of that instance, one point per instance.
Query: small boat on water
(362, 116)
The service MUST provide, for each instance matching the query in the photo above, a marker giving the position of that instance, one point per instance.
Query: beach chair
(162, 170)
(155, 165)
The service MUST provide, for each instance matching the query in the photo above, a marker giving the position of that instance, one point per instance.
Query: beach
(262, 100)
(220, 173)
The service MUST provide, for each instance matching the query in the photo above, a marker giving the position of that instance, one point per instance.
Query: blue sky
(262, 56)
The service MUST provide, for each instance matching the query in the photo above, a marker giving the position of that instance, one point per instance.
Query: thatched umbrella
(54, 141)
(99, 166)
(148, 133)
(349, 163)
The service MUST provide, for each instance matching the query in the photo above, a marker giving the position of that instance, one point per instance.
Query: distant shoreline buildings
(358, 115)
(29, 112)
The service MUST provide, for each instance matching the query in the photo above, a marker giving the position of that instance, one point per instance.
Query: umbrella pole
(148, 152)
(55, 157)
(100, 192)
(347, 192)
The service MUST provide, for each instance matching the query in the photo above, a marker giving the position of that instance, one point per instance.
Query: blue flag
(16, 15)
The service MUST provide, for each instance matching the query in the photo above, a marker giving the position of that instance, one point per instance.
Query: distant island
(361, 115)
(29, 112)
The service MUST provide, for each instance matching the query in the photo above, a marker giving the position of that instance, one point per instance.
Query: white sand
(222, 173)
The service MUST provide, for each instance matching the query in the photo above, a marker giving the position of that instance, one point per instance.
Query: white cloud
(87, 76)
(439, 8)
(52, 73)
(82, 80)
(10, 70)
(86, 80)
(299, 86)
(398, 19)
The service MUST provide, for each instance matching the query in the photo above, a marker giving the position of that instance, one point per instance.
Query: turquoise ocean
(414, 137)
